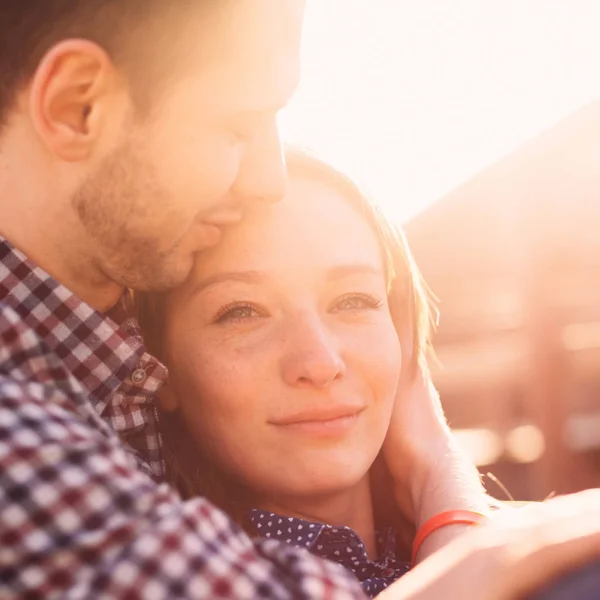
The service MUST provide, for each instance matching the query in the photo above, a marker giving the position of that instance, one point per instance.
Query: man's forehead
(255, 28)
(259, 88)
(255, 53)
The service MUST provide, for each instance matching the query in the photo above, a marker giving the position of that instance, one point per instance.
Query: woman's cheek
(214, 408)
(230, 381)
(378, 349)
(231, 419)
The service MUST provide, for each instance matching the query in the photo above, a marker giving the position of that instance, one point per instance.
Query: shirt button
(138, 376)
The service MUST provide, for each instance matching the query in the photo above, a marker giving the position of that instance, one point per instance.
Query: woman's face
(283, 357)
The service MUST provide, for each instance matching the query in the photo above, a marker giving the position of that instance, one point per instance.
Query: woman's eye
(357, 302)
(236, 313)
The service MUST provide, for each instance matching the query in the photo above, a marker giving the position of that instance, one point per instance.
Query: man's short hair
(128, 30)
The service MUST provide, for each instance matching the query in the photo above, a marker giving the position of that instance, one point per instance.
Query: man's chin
(162, 278)
(174, 267)
(206, 236)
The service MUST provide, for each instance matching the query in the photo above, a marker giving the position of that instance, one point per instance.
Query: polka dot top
(338, 544)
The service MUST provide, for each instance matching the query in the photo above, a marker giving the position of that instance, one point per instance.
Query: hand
(513, 557)
(431, 474)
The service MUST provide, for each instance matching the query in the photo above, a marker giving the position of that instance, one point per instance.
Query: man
(131, 134)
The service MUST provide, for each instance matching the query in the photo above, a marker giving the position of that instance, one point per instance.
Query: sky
(413, 97)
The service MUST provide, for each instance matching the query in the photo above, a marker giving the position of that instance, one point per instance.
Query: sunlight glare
(413, 98)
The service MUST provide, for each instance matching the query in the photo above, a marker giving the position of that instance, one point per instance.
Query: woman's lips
(330, 422)
(330, 428)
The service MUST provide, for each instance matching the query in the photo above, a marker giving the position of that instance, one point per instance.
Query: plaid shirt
(79, 518)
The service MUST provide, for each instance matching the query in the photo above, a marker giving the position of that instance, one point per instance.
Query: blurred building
(514, 259)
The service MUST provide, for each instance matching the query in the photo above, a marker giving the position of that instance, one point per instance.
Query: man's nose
(262, 174)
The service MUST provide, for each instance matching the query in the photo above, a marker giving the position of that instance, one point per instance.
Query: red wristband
(451, 517)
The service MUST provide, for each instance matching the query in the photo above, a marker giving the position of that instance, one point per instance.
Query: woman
(286, 347)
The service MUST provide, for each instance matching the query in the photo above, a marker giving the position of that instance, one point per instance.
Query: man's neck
(350, 508)
(86, 283)
(36, 222)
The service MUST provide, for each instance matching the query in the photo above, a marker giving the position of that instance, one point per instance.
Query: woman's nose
(312, 357)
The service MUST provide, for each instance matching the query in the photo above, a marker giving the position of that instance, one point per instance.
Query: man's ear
(167, 399)
(73, 95)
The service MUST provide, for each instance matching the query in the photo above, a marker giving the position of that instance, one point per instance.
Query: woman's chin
(319, 480)
(307, 471)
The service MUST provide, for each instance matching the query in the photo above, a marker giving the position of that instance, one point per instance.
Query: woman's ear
(167, 399)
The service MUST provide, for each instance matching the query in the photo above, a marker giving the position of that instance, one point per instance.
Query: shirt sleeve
(79, 520)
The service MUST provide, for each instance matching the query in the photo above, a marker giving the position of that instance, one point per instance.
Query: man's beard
(109, 203)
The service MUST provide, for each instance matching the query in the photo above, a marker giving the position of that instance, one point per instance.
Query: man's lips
(205, 236)
(210, 227)
(223, 217)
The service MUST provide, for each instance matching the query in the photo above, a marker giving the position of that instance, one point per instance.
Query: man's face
(209, 146)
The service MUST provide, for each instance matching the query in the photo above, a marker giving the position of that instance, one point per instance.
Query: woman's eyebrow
(255, 277)
(243, 276)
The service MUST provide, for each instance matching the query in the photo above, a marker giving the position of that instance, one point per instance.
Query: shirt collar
(98, 353)
(338, 544)
(329, 541)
